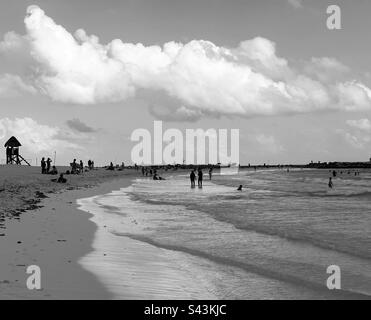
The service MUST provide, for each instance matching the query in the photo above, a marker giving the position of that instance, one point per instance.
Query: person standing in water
(210, 173)
(192, 176)
(200, 178)
(330, 184)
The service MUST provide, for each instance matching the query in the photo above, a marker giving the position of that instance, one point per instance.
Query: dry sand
(40, 225)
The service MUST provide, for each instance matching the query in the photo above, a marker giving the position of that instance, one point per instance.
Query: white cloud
(201, 77)
(361, 124)
(164, 112)
(12, 85)
(353, 96)
(260, 54)
(12, 42)
(355, 140)
(36, 137)
(326, 69)
(359, 133)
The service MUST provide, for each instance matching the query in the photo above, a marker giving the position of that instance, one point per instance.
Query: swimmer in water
(330, 184)
(240, 188)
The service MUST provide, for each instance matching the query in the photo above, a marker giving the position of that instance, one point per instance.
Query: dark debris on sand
(24, 188)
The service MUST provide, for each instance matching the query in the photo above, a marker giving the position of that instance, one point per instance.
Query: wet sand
(54, 235)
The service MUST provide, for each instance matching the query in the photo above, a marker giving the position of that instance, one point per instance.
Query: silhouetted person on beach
(53, 171)
(61, 179)
(192, 176)
(48, 164)
(74, 167)
(334, 173)
(239, 188)
(43, 166)
(111, 167)
(330, 184)
(200, 178)
(81, 166)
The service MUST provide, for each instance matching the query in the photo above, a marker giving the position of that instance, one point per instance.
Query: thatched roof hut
(13, 143)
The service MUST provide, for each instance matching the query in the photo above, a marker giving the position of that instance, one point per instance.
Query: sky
(78, 77)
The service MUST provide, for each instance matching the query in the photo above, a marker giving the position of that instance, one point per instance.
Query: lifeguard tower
(12, 152)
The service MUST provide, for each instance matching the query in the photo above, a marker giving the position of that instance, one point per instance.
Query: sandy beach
(118, 235)
(42, 226)
(79, 255)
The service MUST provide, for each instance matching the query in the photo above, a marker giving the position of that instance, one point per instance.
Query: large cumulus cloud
(36, 137)
(198, 77)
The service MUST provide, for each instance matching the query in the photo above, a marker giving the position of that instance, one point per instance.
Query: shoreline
(147, 269)
(73, 239)
(55, 236)
(133, 269)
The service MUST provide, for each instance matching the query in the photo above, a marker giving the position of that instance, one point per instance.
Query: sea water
(272, 240)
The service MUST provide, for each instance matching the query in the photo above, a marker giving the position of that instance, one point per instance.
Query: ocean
(274, 239)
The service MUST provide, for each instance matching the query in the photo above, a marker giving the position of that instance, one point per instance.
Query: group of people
(91, 164)
(148, 172)
(46, 167)
(77, 168)
(200, 177)
(112, 167)
(153, 173)
(334, 175)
